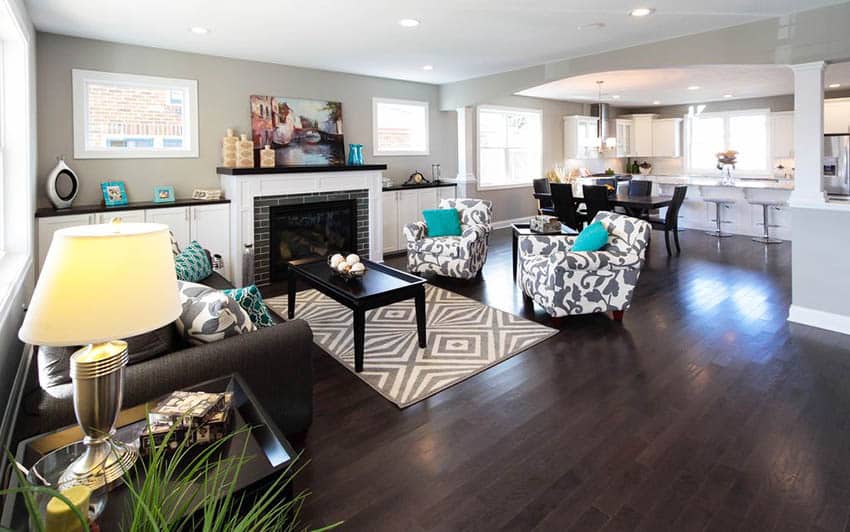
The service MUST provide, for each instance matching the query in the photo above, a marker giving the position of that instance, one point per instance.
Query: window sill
(503, 187)
(401, 154)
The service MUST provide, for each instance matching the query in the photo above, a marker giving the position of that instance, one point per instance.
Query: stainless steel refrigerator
(836, 164)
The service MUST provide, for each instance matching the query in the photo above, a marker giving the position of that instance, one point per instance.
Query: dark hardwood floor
(704, 410)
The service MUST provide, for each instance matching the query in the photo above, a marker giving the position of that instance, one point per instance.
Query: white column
(808, 134)
(465, 152)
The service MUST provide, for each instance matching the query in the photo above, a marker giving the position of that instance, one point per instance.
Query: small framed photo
(114, 193)
(163, 194)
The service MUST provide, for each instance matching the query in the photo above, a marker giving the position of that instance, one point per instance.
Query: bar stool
(718, 204)
(765, 205)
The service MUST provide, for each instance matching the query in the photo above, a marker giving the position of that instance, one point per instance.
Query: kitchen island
(741, 217)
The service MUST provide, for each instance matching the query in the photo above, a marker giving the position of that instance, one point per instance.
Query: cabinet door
(836, 116)
(210, 226)
(408, 212)
(390, 206)
(48, 226)
(624, 138)
(782, 135)
(666, 138)
(642, 134)
(587, 138)
(428, 199)
(126, 216)
(176, 218)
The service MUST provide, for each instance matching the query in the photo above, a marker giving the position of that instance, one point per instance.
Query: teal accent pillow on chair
(250, 299)
(592, 238)
(192, 264)
(442, 222)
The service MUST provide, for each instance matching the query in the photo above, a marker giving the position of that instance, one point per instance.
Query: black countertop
(414, 187)
(298, 169)
(47, 212)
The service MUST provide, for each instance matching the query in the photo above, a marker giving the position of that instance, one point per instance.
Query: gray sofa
(275, 362)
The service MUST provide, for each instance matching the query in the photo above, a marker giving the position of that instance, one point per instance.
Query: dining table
(644, 203)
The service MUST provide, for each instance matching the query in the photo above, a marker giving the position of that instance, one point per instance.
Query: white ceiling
(669, 86)
(460, 38)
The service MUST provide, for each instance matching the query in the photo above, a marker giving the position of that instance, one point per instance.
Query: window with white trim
(129, 116)
(399, 127)
(747, 132)
(510, 146)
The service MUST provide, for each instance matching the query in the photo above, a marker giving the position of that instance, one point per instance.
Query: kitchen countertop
(705, 181)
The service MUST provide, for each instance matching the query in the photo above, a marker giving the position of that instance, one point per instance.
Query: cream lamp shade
(101, 283)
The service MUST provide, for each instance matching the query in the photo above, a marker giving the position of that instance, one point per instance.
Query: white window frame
(478, 110)
(376, 151)
(80, 104)
(726, 115)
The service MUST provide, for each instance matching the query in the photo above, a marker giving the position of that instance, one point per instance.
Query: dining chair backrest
(596, 199)
(672, 217)
(640, 187)
(564, 204)
(541, 186)
(606, 182)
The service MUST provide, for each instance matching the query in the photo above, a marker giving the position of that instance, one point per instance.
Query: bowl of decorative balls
(347, 268)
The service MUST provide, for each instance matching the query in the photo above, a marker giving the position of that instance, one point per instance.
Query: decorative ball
(352, 259)
(336, 259)
(358, 267)
(343, 267)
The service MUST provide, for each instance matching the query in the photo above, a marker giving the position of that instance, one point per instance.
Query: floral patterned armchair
(564, 282)
(452, 256)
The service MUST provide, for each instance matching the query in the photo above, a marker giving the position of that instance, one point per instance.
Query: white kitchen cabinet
(667, 137)
(782, 135)
(625, 137)
(209, 226)
(642, 135)
(580, 137)
(176, 218)
(402, 207)
(836, 115)
(137, 216)
(49, 225)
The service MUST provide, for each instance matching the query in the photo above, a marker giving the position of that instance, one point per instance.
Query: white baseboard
(501, 224)
(820, 319)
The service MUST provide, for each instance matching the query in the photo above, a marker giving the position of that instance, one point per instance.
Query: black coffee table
(525, 230)
(381, 286)
(270, 453)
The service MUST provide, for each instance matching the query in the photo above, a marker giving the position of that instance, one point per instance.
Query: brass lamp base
(97, 372)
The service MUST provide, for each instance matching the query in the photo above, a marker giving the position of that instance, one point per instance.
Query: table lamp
(100, 283)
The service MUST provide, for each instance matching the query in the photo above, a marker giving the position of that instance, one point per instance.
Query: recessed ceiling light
(591, 26)
(727, 96)
(616, 96)
(693, 88)
(641, 12)
(428, 67)
(408, 22)
(834, 85)
(656, 102)
(199, 30)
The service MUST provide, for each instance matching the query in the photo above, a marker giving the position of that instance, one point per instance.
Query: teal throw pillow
(592, 238)
(249, 298)
(192, 264)
(442, 222)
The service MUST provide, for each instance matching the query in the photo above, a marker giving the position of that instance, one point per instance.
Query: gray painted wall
(775, 103)
(224, 87)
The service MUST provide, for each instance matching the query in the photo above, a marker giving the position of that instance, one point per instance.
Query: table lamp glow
(100, 283)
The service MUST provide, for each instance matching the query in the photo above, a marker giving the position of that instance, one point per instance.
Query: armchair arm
(594, 260)
(533, 245)
(473, 233)
(415, 231)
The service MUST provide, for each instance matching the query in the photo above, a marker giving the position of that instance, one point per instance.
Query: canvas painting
(302, 132)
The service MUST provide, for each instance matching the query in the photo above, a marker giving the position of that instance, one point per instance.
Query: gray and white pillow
(209, 315)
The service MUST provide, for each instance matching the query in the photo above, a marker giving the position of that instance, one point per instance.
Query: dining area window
(747, 132)
(509, 147)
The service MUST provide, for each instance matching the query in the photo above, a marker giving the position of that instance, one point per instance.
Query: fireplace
(310, 230)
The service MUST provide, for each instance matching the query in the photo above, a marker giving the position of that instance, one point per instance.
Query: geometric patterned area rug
(464, 339)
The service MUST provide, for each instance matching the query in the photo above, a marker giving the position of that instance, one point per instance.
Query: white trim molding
(80, 78)
(376, 149)
(501, 224)
(818, 318)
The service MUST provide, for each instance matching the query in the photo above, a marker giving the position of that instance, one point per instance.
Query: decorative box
(545, 224)
(228, 149)
(194, 417)
(244, 152)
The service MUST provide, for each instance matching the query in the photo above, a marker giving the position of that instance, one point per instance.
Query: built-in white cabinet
(782, 135)
(208, 224)
(836, 115)
(402, 207)
(580, 134)
(667, 137)
(642, 135)
(625, 137)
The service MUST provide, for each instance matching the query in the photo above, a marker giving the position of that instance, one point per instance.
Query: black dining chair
(640, 188)
(544, 205)
(596, 199)
(565, 206)
(670, 222)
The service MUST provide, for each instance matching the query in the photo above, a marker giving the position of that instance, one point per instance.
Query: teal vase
(355, 154)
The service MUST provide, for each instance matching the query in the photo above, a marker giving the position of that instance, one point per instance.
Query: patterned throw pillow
(252, 301)
(192, 263)
(175, 246)
(209, 315)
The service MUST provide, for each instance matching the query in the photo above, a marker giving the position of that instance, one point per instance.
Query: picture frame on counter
(114, 193)
(163, 194)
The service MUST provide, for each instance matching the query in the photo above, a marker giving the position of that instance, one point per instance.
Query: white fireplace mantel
(242, 186)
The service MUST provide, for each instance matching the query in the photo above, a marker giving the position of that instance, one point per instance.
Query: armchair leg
(618, 315)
